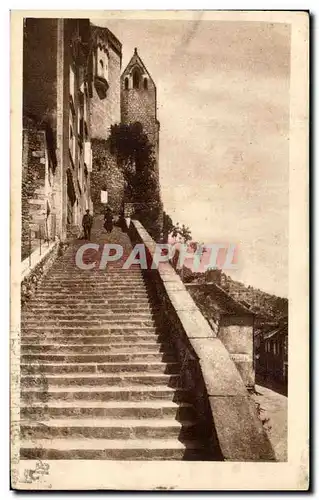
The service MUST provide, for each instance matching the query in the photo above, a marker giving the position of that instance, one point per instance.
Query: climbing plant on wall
(136, 155)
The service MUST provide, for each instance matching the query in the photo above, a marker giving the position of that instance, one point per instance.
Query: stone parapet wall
(231, 322)
(223, 404)
(32, 276)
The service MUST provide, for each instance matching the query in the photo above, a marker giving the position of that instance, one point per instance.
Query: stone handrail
(227, 412)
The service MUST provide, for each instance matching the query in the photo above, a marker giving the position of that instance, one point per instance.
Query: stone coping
(36, 258)
(233, 306)
(240, 432)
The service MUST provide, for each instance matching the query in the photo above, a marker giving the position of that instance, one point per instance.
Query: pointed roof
(136, 60)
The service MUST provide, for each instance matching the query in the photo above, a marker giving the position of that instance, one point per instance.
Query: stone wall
(139, 105)
(149, 214)
(40, 70)
(236, 332)
(139, 102)
(231, 322)
(106, 174)
(106, 112)
(35, 275)
(33, 196)
(222, 402)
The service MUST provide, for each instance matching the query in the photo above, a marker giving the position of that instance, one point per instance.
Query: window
(145, 83)
(126, 83)
(72, 143)
(71, 82)
(101, 64)
(136, 79)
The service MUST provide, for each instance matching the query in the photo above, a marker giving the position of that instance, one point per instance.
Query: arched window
(136, 79)
(101, 64)
(126, 83)
(145, 83)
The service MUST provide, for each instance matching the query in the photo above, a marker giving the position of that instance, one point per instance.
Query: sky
(223, 107)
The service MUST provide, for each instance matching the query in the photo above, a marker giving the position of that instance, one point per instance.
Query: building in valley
(271, 354)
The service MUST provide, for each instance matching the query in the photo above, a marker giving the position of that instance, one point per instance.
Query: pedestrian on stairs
(108, 220)
(87, 223)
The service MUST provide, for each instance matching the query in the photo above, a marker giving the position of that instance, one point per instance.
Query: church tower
(138, 100)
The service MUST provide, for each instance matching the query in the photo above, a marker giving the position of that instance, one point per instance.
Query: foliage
(136, 156)
(168, 226)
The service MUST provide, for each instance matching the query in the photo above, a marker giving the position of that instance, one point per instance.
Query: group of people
(87, 222)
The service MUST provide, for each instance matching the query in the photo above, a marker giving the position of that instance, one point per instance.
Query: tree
(168, 226)
(136, 156)
(185, 234)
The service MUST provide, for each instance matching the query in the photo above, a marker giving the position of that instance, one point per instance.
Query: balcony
(101, 85)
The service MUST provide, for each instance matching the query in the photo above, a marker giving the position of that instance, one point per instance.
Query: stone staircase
(99, 377)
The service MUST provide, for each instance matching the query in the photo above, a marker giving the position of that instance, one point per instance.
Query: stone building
(56, 158)
(139, 101)
(105, 111)
(231, 322)
(73, 92)
(139, 105)
(271, 353)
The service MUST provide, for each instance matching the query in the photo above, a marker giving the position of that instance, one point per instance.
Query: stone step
(94, 274)
(98, 358)
(104, 428)
(106, 367)
(70, 270)
(98, 379)
(92, 297)
(95, 277)
(87, 315)
(79, 303)
(84, 288)
(84, 283)
(88, 308)
(95, 330)
(106, 323)
(79, 340)
(44, 289)
(96, 280)
(104, 393)
(108, 409)
(96, 348)
(103, 449)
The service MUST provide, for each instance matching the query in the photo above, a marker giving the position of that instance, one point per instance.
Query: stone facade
(73, 92)
(107, 176)
(56, 98)
(139, 101)
(105, 111)
(106, 71)
(38, 222)
(139, 104)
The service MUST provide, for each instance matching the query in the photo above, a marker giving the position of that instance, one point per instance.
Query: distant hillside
(268, 307)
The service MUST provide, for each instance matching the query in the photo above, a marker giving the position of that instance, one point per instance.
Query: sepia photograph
(154, 322)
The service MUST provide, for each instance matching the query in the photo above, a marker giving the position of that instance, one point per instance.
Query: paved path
(274, 406)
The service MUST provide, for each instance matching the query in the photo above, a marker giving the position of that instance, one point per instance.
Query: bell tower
(138, 100)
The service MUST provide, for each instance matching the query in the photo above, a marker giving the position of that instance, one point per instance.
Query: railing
(37, 237)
